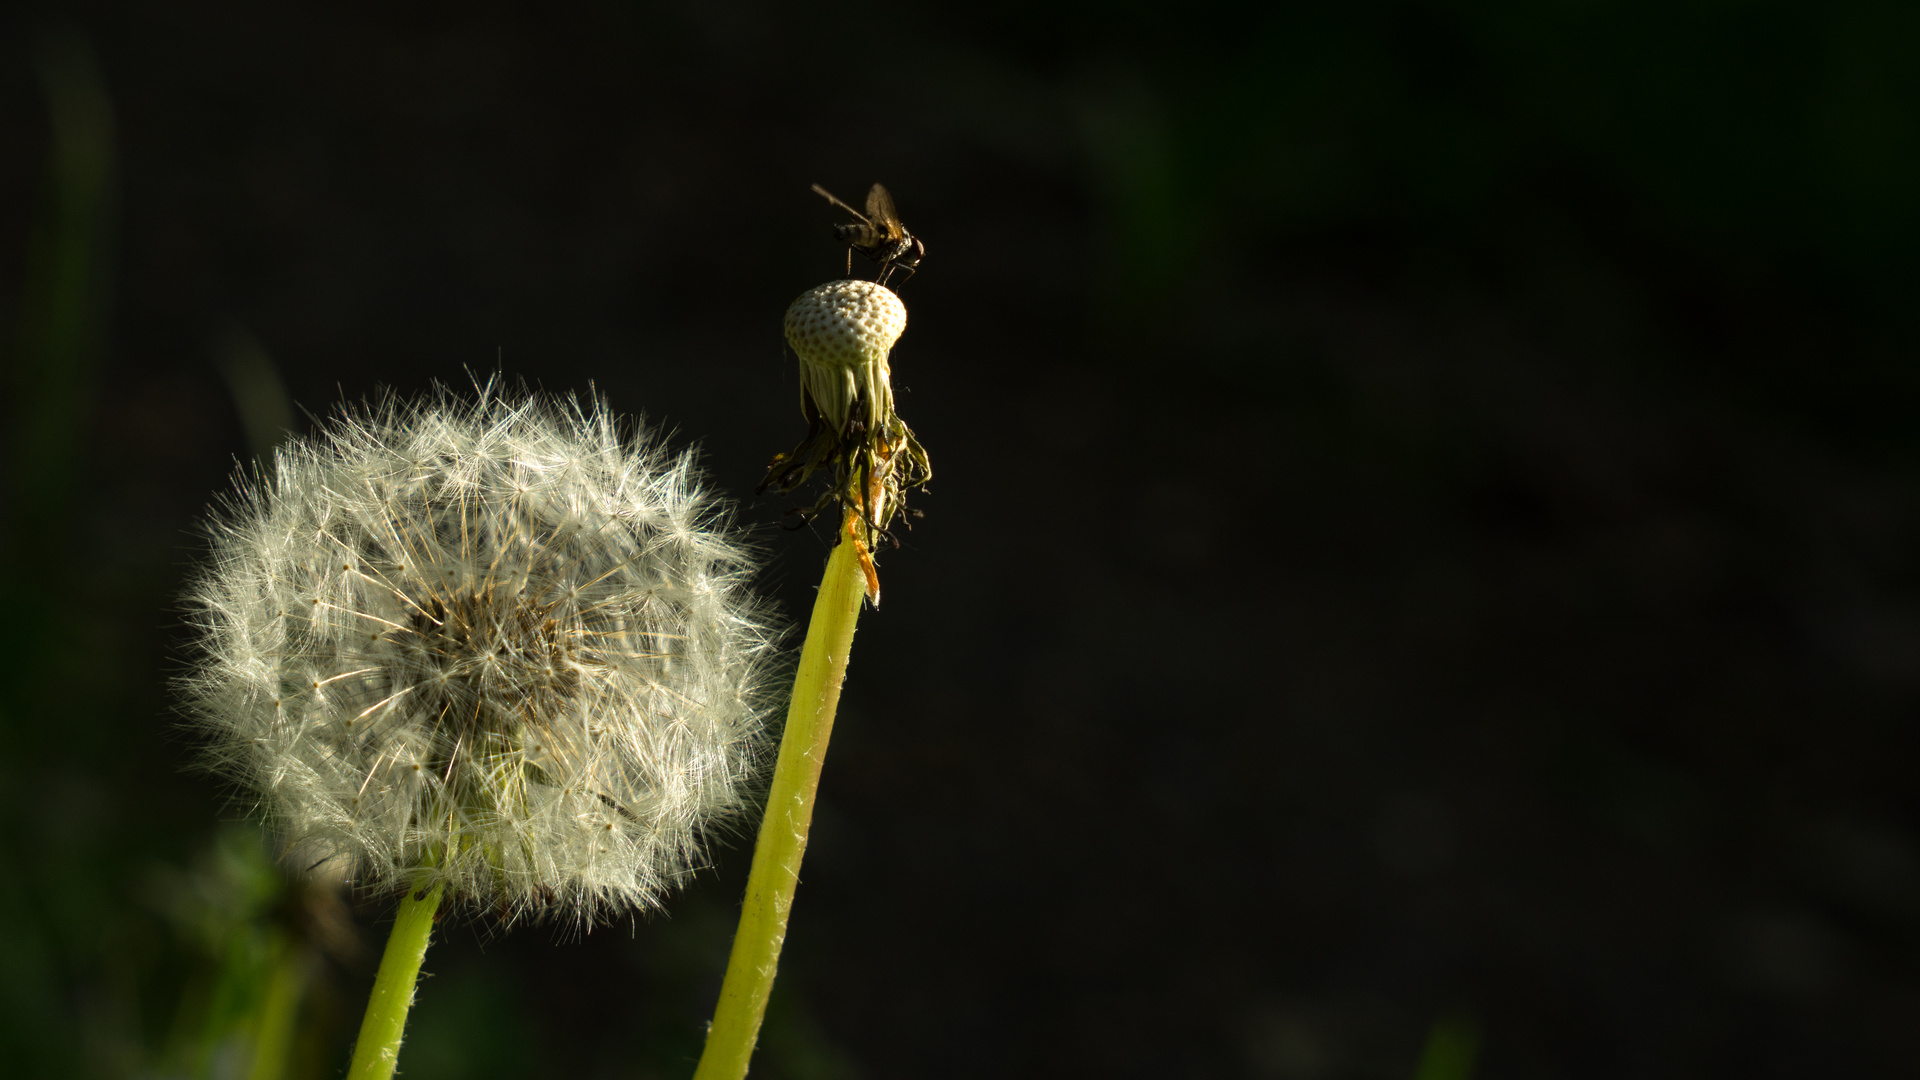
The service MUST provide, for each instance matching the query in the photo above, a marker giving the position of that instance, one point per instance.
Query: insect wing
(880, 209)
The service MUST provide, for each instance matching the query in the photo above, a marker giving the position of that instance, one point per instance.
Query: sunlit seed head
(842, 332)
(501, 641)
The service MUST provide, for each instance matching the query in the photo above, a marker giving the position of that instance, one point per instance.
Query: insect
(878, 234)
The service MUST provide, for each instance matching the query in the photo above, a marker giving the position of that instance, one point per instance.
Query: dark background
(1423, 550)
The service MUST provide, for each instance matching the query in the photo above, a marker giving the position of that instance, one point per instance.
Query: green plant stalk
(273, 1033)
(783, 832)
(378, 1049)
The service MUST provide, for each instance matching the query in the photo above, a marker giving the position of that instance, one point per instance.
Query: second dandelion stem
(783, 831)
(378, 1050)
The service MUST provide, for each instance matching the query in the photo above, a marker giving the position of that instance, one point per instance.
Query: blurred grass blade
(259, 396)
(64, 301)
(1452, 1047)
(278, 1010)
(52, 906)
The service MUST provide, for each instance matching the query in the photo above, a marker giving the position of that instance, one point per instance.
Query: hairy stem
(378, 1050)
(783, 832)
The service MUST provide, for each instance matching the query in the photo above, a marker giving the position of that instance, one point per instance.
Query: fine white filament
(498, 644)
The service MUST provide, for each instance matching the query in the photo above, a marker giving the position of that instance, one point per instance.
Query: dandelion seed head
(498, 644)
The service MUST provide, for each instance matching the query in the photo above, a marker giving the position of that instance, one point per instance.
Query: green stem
(783, 832)
(273, 1035)
(378, 1050)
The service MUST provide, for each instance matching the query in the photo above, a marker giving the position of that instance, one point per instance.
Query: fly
(878, 234)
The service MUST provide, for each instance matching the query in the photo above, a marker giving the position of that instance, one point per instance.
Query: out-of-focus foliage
(1463, 461)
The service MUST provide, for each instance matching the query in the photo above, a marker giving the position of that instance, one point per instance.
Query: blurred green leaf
(1452, 1047)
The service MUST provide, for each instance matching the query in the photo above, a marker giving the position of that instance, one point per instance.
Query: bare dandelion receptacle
(501, 646)
(844, 332)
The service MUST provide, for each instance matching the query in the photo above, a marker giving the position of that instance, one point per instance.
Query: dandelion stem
(783, 832)
(378, 1049)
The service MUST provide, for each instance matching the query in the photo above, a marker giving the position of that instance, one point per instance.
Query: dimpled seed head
(842, 332)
